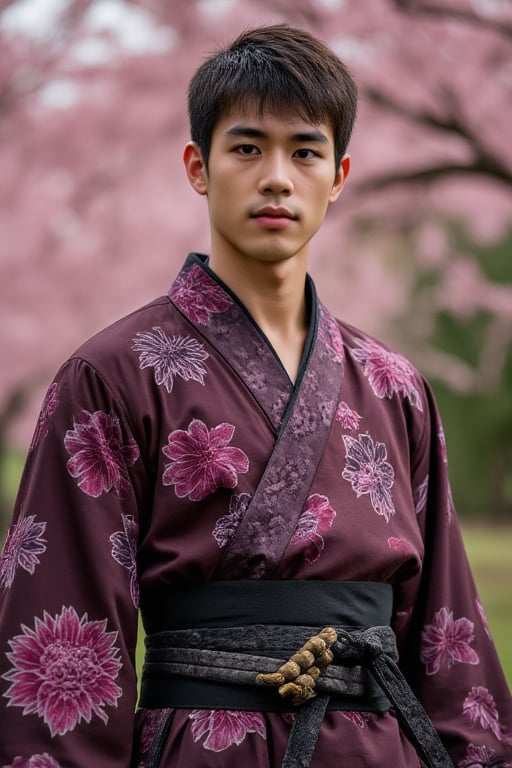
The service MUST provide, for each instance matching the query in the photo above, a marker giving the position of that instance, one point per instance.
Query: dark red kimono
(153, 441)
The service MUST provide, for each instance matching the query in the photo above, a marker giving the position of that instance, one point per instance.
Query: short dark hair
(281, 69)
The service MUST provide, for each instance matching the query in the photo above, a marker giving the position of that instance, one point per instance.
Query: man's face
(269, 181)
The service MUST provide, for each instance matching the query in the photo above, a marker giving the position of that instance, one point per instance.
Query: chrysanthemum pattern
(480, 707)
(369, 473)
(348, 418)
(316, 518)
(170, 356)
(36, 761)
(64, 670)
(226, 525)
(202, 460)
(99, 457)
(48, 407)
(482, 757)
(23, 545)
(124, 552)
(388, 373)
(225, 728)
(447, 641)
(198, 296)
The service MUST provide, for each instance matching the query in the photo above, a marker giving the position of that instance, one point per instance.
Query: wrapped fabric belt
(231, 667)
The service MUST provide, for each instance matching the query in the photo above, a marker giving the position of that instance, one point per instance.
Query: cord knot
(297, 677)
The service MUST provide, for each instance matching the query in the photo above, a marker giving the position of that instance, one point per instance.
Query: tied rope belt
(305, 666)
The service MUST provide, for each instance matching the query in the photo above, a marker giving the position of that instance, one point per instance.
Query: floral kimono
(155, 441)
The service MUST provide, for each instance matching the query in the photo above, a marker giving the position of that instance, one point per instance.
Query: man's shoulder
(117, 338)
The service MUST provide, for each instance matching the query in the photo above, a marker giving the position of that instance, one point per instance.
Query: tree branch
(442, 12)
(434, 173)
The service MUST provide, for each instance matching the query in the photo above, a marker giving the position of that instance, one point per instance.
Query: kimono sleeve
(68, 584)
(445, 645)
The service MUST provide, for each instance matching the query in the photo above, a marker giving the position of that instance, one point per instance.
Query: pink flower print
(358, 718)
(480, 707)
(170, 357)
(482, 757)
(316, 518)
(447, 641)
(397, 544)
(99, 458)
(369, 473)
(483, 617)
(198, 295)
(124, 552)
(226, 526)
(22, 546)
(48, 407)
(402, 618)
(329, 334)
(388, 372)
(224, 727)
(64, 670)
(36, 761)
(420, 496)
(348, 418)
(202, 460)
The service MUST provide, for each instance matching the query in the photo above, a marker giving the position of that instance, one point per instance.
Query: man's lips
(273, 216)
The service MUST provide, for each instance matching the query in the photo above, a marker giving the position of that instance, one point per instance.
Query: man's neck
(274, 294)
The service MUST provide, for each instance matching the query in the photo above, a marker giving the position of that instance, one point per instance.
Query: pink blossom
(482, 757)
(224, 727)
(64, 670)
(202, 460)
(369, 473)
(99, 458)
(170, 357)
(358, 718)
(316, 517)
(446, 640)
(388, 372)
(36, 761)
(124, 552)
(22, 546)
(420, 496)
(480, 707)
(198, 295)
(48, 407)
(226, 526)
(348, 418)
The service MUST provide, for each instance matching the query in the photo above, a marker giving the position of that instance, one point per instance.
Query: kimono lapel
(221, 319)
(302, 415)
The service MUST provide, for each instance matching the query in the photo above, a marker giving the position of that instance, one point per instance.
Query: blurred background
(96, 215)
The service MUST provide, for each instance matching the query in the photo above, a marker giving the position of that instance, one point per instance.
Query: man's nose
(276, 175)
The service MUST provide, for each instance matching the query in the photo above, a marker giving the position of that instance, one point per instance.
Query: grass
(490, 554)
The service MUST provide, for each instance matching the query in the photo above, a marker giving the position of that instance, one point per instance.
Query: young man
(252, 471)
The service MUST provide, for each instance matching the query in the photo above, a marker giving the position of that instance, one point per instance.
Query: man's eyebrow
(256, 133)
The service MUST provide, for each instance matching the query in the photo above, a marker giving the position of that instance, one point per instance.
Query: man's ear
(340, 178)
(195, 168)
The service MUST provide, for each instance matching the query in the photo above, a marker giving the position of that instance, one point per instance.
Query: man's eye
(305, 154)
(246, 149)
